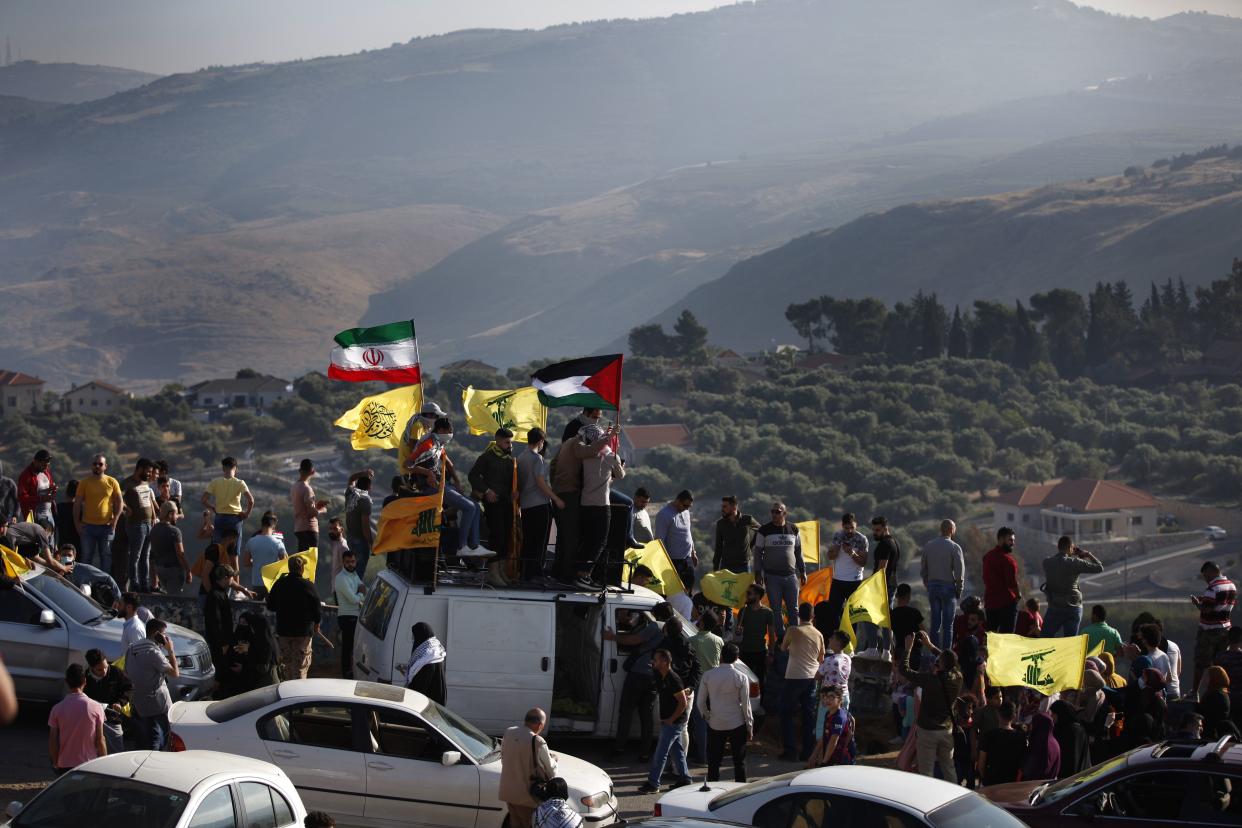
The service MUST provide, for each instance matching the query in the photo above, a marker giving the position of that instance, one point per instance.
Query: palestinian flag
(388, 353)
(590, 382)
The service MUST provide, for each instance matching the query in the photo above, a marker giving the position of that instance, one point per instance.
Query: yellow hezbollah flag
(14, 563)
(808, 533)
(868, 604)
(818, 585)
(409, 523)
(654, 556)
(726, 588)
(1097, 649)
(1048, 665)
(277, 568)
(517, 409)
(379, 421)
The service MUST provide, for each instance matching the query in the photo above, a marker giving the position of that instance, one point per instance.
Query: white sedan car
(142, 789)
(845, 795)
(374, 754)
(1215, 533)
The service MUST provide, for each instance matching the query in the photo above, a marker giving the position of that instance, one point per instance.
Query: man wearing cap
(36, 491)
(416, 428)
(427, 464)
(306, 509)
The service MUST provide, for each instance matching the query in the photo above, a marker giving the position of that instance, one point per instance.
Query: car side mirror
(47, 618)
(13, 809)
(450, 758)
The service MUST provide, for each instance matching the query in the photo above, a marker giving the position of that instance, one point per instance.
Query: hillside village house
(257, 392)
(638, 440)
(1086, 510)
(94, 397)
(20, 393)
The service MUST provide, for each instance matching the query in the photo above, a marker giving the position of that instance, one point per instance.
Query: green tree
(1063, 315)
(959, 336)
(807, 320)
(651, 341)
(690, 339)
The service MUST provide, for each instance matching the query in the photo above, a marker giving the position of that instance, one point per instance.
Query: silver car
(46, 624)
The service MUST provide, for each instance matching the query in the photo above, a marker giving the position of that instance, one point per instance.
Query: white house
(256, 392)
(1086, 510)
(94, 397)
(20, 393)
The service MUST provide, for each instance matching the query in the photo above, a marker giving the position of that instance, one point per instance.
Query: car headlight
(185, 662)
(595, 800)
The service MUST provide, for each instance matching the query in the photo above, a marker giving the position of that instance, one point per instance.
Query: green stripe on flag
(378, 335)
(578, 400)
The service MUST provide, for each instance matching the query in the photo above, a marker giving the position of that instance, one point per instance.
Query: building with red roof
(1086, 510)
(20, 393)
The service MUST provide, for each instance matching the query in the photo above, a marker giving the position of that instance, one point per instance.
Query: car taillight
(175, 742)
(656, 810)
(754, 690)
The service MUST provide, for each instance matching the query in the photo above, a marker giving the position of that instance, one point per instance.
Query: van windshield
(66, 597)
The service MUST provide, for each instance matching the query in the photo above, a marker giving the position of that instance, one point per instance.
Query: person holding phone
(149, 662)
(1061, 573)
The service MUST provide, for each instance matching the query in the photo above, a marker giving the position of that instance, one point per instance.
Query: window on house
(1026, 518)
(1136, 520)
(95, 404)
(1010, 517)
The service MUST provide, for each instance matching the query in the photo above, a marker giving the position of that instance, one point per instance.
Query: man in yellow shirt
(229, 498)
(96, 509)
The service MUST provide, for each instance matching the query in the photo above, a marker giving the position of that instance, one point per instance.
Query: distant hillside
(1154, 224)
(13, 107)
(67, 83)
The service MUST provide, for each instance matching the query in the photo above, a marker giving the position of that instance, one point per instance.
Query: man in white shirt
(643, 532)
(349, 592)
(724, 701)
(135, 629)
(847, 554)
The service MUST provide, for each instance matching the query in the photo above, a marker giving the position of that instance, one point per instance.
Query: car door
(813, 809)
(501, 659)
(1164, 797)
(319, 746)
(35, 654)
(215, 810)
(407, 782)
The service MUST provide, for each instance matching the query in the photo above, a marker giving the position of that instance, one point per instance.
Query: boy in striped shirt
(1215, 605)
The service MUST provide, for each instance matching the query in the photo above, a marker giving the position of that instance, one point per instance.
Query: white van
(508, 650)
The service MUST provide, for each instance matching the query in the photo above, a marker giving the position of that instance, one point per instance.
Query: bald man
(944, 571)
(520, 763)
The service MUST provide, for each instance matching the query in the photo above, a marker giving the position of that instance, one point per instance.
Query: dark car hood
(1010, 796)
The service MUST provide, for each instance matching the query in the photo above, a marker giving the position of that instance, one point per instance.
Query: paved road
(1172, 574)
(24, 768)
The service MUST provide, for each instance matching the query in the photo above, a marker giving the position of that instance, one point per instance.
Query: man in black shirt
(1001, 750)
(735, 533)
(674, 707)
(297, 608)
(906, 620)
(108, 685)
(887, 556)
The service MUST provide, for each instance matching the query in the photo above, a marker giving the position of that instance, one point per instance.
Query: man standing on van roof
(672, 528)
(524, 757)
(494, 476)
(735, 532)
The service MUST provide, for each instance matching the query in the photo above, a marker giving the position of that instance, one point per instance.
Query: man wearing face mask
(427, 462)
(1000, 583)
(417, 428)
(494, 478)
(536, 499)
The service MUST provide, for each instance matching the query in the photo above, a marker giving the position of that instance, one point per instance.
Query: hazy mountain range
(529, 193)
(67, 83)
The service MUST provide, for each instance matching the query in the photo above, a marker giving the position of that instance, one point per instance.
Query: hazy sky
(183, 35)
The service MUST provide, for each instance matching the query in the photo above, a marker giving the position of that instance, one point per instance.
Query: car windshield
(972, 811)
(1071, 785)
(473, 742)
(772, 782)
(66, 597)
(81, 798)
(226, 710)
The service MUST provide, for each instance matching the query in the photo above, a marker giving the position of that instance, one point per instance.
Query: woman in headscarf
(253, 655)
(1213, 703)
(1109, 672)
(426, 671)
(1071, 738)
(1043, 754)
(1152, 700)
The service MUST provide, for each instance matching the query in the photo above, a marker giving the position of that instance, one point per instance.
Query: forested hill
(1180, 218)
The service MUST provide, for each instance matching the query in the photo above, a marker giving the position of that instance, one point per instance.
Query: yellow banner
(379, 421)
(14, 563)
(1097, 649)
(517, 409)
(818, 585)
(277, 568)
(808, 533)
(868, 604)
(1048, 665)
(655, 557)
(728, 589)
(409, 523)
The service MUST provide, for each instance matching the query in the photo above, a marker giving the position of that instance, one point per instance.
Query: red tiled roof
(99, 384)
(1080, 496)
(18, 378)
(650, 436)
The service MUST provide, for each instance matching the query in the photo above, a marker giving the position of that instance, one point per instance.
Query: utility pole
(1125, 573)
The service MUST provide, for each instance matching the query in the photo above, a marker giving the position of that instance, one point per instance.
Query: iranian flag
(388, 353)
(590, 382)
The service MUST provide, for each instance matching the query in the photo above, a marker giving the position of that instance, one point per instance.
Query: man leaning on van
(524, 758)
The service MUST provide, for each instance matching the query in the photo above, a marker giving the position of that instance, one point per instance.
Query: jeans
(97, 541)
(536, 524)
(1061, 622)
(224, 522)
(138, 569)
(637, 696)
(114, 737)
(347, 623)
(670, 740)
(758, 664)
(467, 517)
(622, 499)
(593, 534)
(798, 697)
(685, 570)
(782, 592)
(715, 752)
(361, 548)
(172, 579)
(1002, 619)
(943, 597)
(153, 732)
(874, 637)
(936, 746)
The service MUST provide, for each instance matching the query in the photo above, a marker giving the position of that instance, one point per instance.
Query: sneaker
(586, 583)
(474, 552)
(648, 788)
(885, 655)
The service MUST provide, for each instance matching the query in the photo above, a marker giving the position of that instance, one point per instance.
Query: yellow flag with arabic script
(517, 409)
(14, 562)
(808, 535)
(379, 421)
(410, 523)
(655, 557)
(1047, 665)
(277, 568)
(868, 604)
(726, 588)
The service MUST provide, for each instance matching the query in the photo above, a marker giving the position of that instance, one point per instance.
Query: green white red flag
(388, 353)
(589, 382)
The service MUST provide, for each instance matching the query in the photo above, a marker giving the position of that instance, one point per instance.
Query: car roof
(1199, 753)
(922, 793)
(351, 690)
(182, 771)
(643, 594)
(678, 822)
